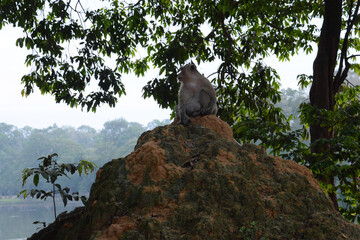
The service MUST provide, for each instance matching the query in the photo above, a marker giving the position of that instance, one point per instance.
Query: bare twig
(351, 56)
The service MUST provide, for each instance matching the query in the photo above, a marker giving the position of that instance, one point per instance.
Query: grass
(10, 200)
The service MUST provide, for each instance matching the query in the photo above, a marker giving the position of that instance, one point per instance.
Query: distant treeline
(21, 147)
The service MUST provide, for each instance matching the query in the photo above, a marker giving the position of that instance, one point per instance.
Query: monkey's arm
(209, 98)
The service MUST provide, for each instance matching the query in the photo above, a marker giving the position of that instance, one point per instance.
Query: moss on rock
(194, 183)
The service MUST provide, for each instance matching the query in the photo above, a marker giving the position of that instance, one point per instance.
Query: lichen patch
(161, 213)
(288, 166)
(119, 226)
(215, 124)
(226, 158)
(149, 157)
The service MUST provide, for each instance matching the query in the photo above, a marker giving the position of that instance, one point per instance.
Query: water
(17, 216)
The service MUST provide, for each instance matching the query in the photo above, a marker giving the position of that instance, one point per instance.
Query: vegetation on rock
(190, 183)
(50, 171)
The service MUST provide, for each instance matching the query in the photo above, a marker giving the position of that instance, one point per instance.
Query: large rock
(196, 183)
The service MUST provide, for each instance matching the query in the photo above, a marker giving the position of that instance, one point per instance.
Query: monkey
(197, 96)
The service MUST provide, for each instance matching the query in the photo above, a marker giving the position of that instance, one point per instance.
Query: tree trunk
(322, 90)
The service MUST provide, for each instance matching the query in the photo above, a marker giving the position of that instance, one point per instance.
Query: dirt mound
(195, 182)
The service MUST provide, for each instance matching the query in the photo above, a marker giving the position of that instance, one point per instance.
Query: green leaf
(36, 179)
(24, 193)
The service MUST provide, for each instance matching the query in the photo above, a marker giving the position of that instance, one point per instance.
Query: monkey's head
(186, 71)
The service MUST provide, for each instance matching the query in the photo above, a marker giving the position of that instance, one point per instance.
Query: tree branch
(342, 74)
(230, 49)
(351, 56)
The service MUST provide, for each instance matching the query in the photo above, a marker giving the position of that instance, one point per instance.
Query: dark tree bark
(322, 94)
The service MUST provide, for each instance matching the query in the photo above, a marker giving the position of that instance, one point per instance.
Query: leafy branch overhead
(70, 43)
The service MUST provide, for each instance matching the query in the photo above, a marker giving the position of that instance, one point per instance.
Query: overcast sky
(40, 111)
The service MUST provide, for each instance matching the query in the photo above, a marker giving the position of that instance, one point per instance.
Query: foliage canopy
(70, 44)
